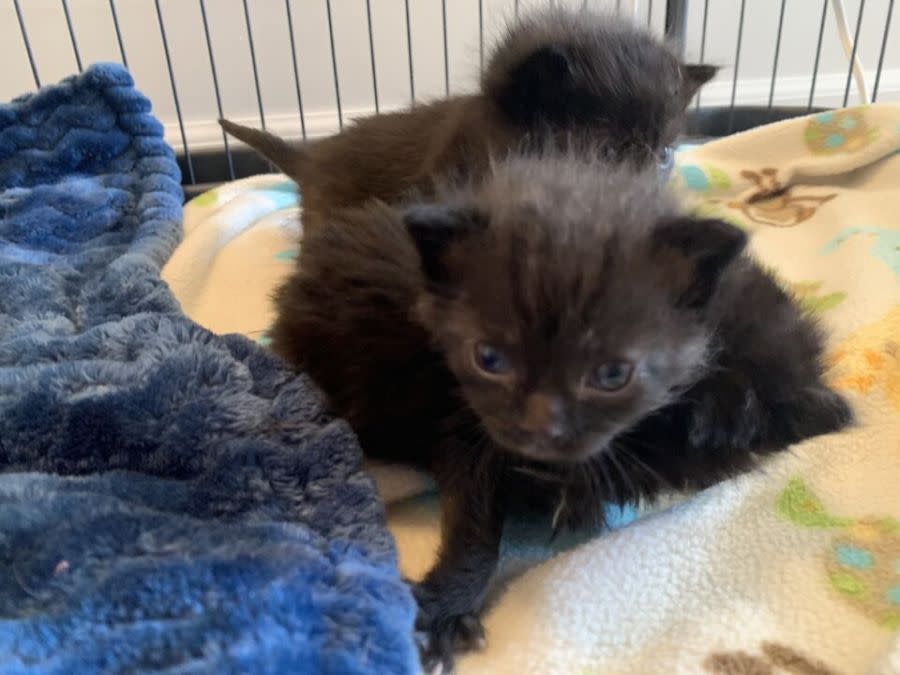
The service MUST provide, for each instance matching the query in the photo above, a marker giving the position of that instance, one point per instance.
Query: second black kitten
(556, 335)
(555, 74)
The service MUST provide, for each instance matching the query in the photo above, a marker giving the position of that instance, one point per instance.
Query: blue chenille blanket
(170, 500)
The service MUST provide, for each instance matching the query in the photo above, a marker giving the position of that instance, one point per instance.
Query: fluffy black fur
(581, 71)
(562, 265)
(569, 76)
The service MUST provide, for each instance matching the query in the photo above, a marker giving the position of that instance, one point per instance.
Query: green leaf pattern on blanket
(863, 562)
(802, 507)
(816, 305)
(207, 198)
(885, 244)
(807, 294)
(812, 302)
(705, 182)
(704, 178)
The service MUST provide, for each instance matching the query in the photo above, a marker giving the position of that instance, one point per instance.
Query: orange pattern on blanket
(776, 657)
(869, 360)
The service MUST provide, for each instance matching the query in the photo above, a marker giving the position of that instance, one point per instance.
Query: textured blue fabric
(170, 500)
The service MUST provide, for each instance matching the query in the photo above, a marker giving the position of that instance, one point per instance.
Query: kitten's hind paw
(441, 638)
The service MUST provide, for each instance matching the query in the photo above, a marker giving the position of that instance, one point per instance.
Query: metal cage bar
(24, 32)
(884, 44)
(676, 23)
(215, 77)
(777, 52)
(446, 48)
(334, 66)
(115, 19)
(409, 54)
(259, 101)
(859, 19)
(72, 39)
(815, 75)
(481, 35)
(737, 65)
(290, 23)
(703, 42)
(372, 55)
(184, 142)
(253, 64)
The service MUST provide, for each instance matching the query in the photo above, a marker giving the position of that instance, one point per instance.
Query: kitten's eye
(490, 359)
(666, 158)
(611, 376)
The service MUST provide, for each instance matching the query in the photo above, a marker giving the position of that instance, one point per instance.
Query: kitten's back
(384, 156)
(344, 318)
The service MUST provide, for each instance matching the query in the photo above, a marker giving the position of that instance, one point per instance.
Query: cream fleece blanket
(794, 569)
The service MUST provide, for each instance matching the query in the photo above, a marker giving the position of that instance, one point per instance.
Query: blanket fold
(171, 500)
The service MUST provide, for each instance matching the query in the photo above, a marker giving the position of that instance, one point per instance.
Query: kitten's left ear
(433, 228)
(709, 246)
(538, 88)
(694, 76)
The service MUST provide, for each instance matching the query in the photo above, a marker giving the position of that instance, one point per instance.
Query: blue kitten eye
(665, 162)
(490, 359)
(611, 376)
(666, 157)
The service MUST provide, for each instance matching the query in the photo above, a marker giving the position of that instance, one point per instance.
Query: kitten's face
(562, 393)
(562, 340)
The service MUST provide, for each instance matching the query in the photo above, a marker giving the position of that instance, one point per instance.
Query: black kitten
(556, 74)
(556, 335)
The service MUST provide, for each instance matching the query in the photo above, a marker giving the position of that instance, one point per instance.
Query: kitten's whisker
(599, 511)
(642, 465)
(613, 492)
(625, 477)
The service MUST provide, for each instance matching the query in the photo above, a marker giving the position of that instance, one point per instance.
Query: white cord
(840, 16)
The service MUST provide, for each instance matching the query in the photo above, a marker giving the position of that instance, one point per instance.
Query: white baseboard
(789, 91)
(794, 90)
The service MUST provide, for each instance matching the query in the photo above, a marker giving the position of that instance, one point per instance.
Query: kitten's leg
(722, 426)
(452, 594)
(730, 413)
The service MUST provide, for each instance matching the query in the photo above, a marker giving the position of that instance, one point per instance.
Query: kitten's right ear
(694, 76)
(286, 156)
(708, 246)
(433, 228)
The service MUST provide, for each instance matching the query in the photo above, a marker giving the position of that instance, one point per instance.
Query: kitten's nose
(544, 414)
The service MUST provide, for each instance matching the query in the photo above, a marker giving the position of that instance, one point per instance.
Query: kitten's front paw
(441, 641)
(441, 635)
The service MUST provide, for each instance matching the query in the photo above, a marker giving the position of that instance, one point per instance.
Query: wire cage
(304, 68)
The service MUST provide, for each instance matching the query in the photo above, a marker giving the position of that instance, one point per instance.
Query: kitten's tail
(287, 156)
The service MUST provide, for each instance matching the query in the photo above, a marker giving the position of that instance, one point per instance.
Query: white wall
(96, 40)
